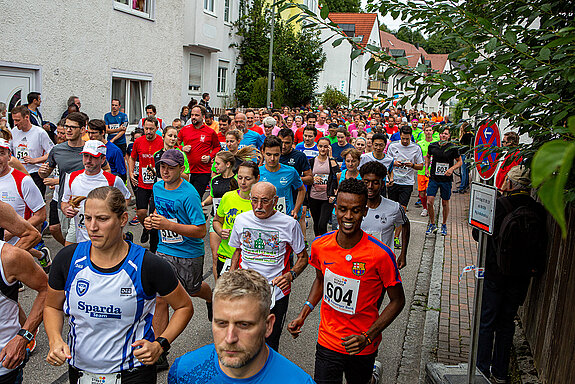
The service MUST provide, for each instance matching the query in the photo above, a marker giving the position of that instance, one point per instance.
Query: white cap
(94, 148)
(4, 144)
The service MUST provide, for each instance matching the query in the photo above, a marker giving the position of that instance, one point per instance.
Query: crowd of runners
(250, 182)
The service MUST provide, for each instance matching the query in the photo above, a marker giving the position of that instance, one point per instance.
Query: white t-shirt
(30, 198)
(380, 222)
(367, 157)
(79, 184)
(34, 143)
(266, 244)
(402, 153)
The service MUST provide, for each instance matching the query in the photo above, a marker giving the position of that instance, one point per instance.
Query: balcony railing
(377, 85)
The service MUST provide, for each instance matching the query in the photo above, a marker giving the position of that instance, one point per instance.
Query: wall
(77, 44)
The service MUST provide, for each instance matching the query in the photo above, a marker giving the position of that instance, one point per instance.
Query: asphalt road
(301, 351)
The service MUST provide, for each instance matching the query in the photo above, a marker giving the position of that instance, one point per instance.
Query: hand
(294, 327)
(49, 181)
(293, 214)
(449, 172)
(44, 168)
(389, 183)
(283, 281)
(159, 221)
(148, 353)
(427, 172)
(397, 163)
(13, 353)
(316, 179)
(401, 261)
(70, 212)
(59, 353)
(225, 234)
(354, 344)
(408, 164)
(148, 223)
(133, 179)
(187, 148)
(206, 159)
(27, 160)
(46, 127)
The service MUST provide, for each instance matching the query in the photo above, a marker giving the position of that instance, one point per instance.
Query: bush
(332, 98)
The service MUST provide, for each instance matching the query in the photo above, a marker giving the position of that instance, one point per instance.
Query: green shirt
(230, 206)
(424, 144)
(332, 139)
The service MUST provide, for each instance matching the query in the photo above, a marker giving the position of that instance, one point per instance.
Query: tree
(342, 5)
(333, 98)
(515, 62)
(409, 36)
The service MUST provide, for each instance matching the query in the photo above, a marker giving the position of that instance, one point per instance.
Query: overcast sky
(387, 20)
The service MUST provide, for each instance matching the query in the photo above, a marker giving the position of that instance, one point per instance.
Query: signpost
(488, 137)
(482, 207)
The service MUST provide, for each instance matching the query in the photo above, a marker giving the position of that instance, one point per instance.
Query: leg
(280, 311)
(490, 304)
(205, 292)
(302, 223)
(430, 209)
(39, 182)
(445, 208)
(56, 231)
(154, 234)
(54, 223)
(200, 181)
(325, 213)
(315, 210)
(359, 369)
(329, 366)
(215, 241)
(161, 316)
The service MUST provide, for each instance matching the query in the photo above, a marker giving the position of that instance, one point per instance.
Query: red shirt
(204, 141)
(299, 135)
(143, 152)
(222, 139)
(257, 129)
(353, 281)
(391, 129)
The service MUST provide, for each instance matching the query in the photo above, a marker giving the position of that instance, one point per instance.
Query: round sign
(486, 139)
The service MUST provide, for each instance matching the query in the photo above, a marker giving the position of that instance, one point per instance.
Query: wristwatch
(29, 336)
(164, 343)
(293, 275)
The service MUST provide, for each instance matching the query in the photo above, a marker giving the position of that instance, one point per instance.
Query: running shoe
(135, 221)
(377, 368)
(162, 362)
(31, 346)
(424, 213)
(209, 306)
(396, 243)
(418, 203)
(443, 229)
(129, 236)
(145, 236)
(45, 260)
(431, 229)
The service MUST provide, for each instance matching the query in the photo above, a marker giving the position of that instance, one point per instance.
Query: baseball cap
(520, 175)
(94, 148)
(4, 144)
(173, 158)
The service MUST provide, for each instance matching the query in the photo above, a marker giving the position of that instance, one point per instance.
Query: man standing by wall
(116, 124)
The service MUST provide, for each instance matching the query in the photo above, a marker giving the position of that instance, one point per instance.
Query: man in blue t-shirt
(340, 145)
(97, 131)
(308, 146)
(283, 177)
(250, 137)
(242, 321)
(116, 124)
(181, 224)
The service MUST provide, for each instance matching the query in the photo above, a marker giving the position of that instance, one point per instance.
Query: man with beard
(242, 321)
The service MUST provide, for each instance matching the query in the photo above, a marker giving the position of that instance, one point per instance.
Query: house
(340, 72)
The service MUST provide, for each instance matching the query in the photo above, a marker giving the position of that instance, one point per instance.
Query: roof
(437, 61)
(364, 23)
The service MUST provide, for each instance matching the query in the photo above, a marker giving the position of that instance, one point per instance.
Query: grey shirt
(405, 154)
(67, 159)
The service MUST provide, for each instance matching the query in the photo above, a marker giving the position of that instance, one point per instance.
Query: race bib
(21, 152)
(99, 378)
(322, 179)
(441, 168)
(227, 266)
(81, 223)
(340, 292)
(281, 205)
(274, 293)
(170, 237)
(215, 205)
(148, 176)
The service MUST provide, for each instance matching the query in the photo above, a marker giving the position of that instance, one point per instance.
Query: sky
(387, 20)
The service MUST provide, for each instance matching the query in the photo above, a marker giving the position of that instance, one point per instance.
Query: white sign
(482, 207)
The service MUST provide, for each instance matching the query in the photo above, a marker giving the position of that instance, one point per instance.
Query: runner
(250, 120)
(309, 146)
(116, 124)
(249, 137)
(341, 145)
(378, 144)
(238, 354)
(170, 138)
(224, 123)
(352, 268)
(232, 204)
(151, 112)
(285, 178)
(80, 183)
(442, 159)
(264, 239)
(422, 179)
(53, 182)
(97, 131)
(108, 281)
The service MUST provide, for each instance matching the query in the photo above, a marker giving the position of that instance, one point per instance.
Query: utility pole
(270, 73)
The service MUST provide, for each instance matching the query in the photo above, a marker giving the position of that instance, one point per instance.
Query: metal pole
(269, 97)
(481, 251)
(349, 79)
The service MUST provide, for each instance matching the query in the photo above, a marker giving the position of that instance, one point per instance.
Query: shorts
(189, 271)
(400, 193)
(444, 186)
(330, 366)
(53, 219)
(71, 235)
(145, 199)
(144, 374)
(422, 182)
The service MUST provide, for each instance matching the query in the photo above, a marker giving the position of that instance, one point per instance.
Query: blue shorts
(443, 186)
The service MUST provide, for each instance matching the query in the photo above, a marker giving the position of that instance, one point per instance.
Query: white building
(340, 72)
(140, 51)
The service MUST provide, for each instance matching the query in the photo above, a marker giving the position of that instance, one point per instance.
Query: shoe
(424, 213)
(135, 221)
(497, 380)
(443, 229)
(31, 346)
(145, 236)
(21, 287)
(129, 236)
(210, 311)
(457, 191)
(418, 203)
(377, 368)
(431, 229)
(45, 260)
(162, 363)
(396, 243)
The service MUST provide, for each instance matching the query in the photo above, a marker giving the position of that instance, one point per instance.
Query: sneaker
(396, 243)
(497, 380)
(135, 221)
(162, 362)
(129, 236)
(431, 229)
(210, 311)
(377, 368)
(21, 287)
(45, 260)
(145, 236)
(424, 213)
(31, 346)
(418, 203)
(443, 229)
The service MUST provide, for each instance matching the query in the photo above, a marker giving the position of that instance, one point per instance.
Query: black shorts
(53, 218)
(189, 271)
(400, 193)
(330, 366)
(145, 199)
(144, 374)
(200, 181)
(123, 148)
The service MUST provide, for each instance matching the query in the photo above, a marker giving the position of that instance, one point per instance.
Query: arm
(283, 281)
(314, 297)
(208, 201)
(16, 164)
(457, 164)
(38, 217)
(298, 201)
(36, 160)
(405, 233)
(131, 166)
(53, 322)
(356, 343)
(427, 162)
(307, 177)
(17, 226)
(236, 259)
(45, 170)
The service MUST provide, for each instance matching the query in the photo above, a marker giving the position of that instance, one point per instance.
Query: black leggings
(321, 213)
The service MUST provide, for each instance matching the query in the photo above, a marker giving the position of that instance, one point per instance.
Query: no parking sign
(487, 138)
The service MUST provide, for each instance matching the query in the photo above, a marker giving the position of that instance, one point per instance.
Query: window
(227, 11)
(133, 94)
(209, 5)
(222, 76)
(195, 73)
(142, 8)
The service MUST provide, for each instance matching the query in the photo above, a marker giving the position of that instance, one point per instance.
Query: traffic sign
(487, 139)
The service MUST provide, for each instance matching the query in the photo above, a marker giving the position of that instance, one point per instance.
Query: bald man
(250, 137)
(264, 239)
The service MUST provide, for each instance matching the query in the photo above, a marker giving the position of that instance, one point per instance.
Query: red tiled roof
(364, 23)
(438, 61)
(413, 53)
